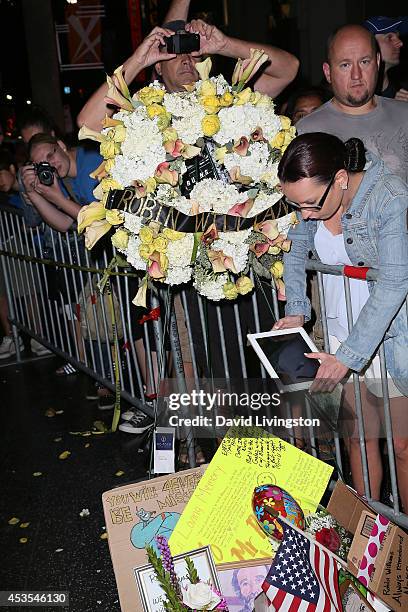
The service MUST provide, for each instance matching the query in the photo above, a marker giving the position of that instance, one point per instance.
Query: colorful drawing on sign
(144, 532)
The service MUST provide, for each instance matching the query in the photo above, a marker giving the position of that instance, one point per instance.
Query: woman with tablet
(353, 213)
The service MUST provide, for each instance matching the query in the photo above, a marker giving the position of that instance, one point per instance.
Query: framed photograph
(282, 353)
(152, 594)
(352, 599)
(242, 582)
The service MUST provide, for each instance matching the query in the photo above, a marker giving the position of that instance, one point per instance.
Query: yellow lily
(115, 97)
(123, 88)
(204, 68)
(86, 132)
(95, 231)
(90, 213)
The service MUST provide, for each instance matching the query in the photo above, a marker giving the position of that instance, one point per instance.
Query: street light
(28, 101)
(9, 97)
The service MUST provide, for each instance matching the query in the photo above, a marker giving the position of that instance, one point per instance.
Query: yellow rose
(277, 269)
(264, 101)
(145, 250)
(119, 133)
(208, 88)
(226, 99)
(230, 291)
(160, 244)
(274, 250)
(210, 125)
(109, 148)
(285, 122)
(243, 97)
(146, 235)
(220, 154)
(163, 121)
(109, 164)
(155, 110)
(278, 141)
(211, 104)
(114, 216)
(120, 239)
(151, 95)
(169, 134)
(171, 234)
(244, 285)
(107, 184)
(150, 185)
(256, 97)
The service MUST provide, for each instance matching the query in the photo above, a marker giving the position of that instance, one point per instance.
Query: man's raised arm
(178, 11)
(277, 74)
(150, 51)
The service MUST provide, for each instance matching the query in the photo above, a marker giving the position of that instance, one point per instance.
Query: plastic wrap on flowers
(189, 180)
(269, 502)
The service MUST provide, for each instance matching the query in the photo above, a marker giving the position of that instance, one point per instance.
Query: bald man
(382, 123)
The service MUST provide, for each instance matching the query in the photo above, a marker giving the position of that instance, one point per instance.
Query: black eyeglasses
(317, 206)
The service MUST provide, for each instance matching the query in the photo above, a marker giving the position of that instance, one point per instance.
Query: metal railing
(50, 282)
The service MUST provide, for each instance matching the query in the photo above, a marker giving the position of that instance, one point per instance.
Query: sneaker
(127, 415)
(137, 424)
(39, 349)
(7, 347)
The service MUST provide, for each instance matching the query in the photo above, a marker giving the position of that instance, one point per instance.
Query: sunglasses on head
(317, 206)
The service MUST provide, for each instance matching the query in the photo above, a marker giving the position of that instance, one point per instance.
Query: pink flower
(241, 210)
(174, 147)
(241, 147)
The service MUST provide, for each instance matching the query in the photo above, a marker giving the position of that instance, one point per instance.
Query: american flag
(303, 577)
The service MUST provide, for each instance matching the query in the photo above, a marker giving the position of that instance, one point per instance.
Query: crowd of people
(345, 174)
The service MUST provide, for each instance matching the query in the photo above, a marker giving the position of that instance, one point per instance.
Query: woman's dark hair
(320, 156)
(6, 160)
(305, 93)
(39, 139)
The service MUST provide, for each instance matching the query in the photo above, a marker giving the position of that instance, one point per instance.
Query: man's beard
(361, 100)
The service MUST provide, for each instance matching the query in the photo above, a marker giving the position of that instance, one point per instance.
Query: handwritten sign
(219, 512)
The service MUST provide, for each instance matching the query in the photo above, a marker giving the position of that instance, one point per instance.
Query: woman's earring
(344, 187)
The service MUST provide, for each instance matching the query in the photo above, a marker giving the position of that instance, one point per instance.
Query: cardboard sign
(220, 513)
(388, 578)
(134, 515)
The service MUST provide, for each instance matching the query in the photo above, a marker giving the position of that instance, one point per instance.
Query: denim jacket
(375, 235)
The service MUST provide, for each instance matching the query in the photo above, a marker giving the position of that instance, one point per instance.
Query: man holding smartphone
(178, 69)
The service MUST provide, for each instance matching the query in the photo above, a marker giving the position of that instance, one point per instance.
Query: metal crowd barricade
(76, 324)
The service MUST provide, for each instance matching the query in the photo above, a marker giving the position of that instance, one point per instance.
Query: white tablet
(282, 353)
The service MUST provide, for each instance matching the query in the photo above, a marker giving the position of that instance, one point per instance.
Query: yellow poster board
(220, 513)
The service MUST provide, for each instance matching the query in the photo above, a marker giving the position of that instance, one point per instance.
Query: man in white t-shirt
(381, 123)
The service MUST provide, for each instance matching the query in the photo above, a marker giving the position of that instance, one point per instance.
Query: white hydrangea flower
(254, 164)
(165, 193)
(189, 127)
(133, 256)
(214, 194)
(141, 151)
(233, 245)
(179, 251)
(177, 275)
(263, 201)
(182, 204)
(181, 104)
(239, 121)
(133, 223)
(211, 288)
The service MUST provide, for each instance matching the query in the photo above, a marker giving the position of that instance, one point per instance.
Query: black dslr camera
(183, 42)
(45, 173)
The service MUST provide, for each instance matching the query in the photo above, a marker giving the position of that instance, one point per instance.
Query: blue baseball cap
(384, 25)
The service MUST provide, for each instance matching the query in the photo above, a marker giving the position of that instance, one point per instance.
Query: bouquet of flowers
(196, 596)
(189, 180)
(327, 531)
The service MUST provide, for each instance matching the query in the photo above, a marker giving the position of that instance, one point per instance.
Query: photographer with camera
(57, 182)
(175, 48)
